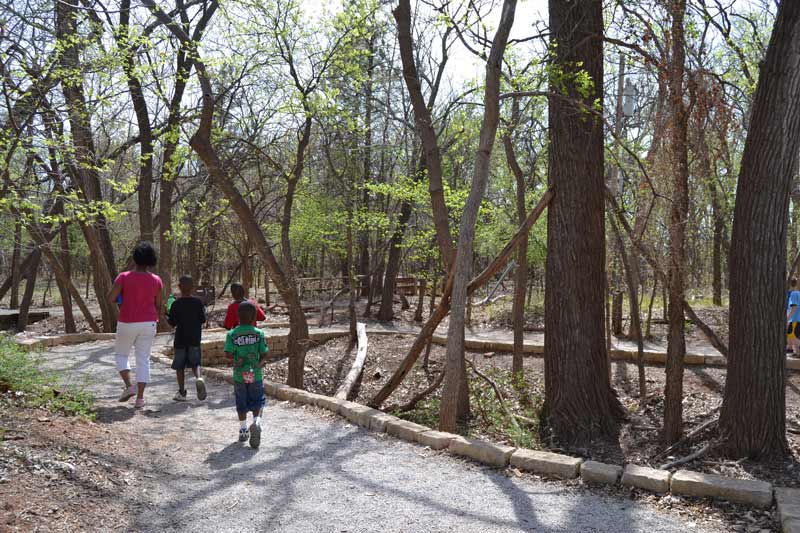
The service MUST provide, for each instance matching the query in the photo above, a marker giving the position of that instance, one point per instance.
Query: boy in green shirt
(246, 346)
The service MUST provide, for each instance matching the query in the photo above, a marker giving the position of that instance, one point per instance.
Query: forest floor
(177, 466)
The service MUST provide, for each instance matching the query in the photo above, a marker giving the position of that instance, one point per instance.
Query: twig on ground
(422, 395)
(511, 416)
(689, 458)
(690, 435)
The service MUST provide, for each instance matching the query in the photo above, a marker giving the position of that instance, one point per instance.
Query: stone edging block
(596, 472)
(788, 509)
(482, 451)
(404, 429)
(643, 477)
(437, 440)
(747, 491)
(546, 463)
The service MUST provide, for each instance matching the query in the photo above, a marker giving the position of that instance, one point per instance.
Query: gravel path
(315, 472)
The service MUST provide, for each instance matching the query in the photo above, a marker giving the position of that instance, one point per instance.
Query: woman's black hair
(144, 255)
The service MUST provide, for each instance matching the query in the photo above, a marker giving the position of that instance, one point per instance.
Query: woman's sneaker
(243, 435)
(127, 393)
(201, 388)
(255, 435)
(180, 396)
(139, 403)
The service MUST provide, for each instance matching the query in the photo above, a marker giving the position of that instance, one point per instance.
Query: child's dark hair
(144, 255)
(247, 312)
(186, 281)
(237, 291)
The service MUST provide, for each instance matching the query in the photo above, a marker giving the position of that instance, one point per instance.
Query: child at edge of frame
(246, 347)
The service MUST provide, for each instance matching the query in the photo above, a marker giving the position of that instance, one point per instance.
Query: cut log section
(358, 365)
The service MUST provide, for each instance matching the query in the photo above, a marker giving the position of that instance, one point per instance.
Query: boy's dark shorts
(249, 396)
(186, 357)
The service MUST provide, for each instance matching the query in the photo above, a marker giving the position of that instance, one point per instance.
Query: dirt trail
(315, 472)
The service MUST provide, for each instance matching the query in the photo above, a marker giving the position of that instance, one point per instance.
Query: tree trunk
(423, 285)
(96, 229)
(16, 269)
(423, 121)
(753, 416)
(679, 167)
(455, 395)
(716, 249)
(66, 297)
(579, 401)
(385, 312)
(27, 297)
(144, 190)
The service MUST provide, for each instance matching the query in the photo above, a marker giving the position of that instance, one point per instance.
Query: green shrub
(22, 373)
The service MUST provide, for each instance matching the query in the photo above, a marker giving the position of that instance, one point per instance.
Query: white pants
(139, 336)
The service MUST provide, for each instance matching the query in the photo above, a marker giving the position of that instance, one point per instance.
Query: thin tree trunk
(424, 125)
(753, 417)
(580, 404)
(16, 269)
(455, 395)
(635, 317)
(650, 306)
(679, 166)
(27, 296)
(66, 297)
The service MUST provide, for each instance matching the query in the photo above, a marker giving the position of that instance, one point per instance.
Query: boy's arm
(172, 319)
(202, 313)
(262, 360)
(230, 321)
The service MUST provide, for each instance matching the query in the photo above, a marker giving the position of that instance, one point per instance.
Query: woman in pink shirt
(140, 311)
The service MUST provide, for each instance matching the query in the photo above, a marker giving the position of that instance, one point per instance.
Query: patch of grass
(425, 412)
(22, 374)
(490, 417)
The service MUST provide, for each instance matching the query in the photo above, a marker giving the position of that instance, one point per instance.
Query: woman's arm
(114, 293)
(160, 306)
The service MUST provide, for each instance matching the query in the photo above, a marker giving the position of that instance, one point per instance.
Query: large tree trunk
(455, 395)
(579, 401)
(679, 167)
(85, 170)
(753, 416)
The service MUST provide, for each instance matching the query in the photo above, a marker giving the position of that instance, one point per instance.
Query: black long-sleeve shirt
(187, 314)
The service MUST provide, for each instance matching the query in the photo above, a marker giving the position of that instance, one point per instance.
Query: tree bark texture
(679, 211)
(753, 416)
(579, 401)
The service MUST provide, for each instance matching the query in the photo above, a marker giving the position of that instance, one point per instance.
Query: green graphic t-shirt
(246, 343)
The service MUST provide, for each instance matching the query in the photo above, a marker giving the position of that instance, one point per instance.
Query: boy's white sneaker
(127, 393)
(180, 397)
(243, 434)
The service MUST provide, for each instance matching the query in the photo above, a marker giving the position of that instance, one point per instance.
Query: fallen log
(346, 388)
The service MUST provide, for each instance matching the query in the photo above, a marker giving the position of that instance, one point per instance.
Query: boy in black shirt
(187, 314)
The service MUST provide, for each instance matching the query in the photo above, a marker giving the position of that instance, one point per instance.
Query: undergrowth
(489, 419)
(22, 375)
